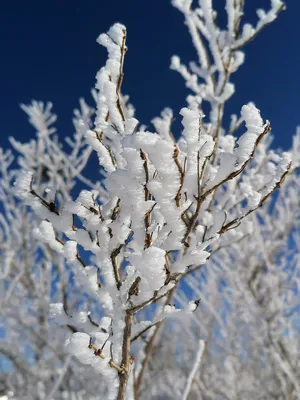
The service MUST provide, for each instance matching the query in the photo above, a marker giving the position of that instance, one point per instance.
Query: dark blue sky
(49, 52)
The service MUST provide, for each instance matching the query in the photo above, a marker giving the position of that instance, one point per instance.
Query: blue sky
(49, 52)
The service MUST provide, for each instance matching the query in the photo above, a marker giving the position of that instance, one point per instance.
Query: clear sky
(49, 52)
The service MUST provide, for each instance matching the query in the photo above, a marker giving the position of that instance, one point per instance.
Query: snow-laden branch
(194, 369)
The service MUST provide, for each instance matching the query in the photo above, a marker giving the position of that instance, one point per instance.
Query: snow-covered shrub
(164, 206)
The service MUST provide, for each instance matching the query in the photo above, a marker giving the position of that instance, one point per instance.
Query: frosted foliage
(160, 279)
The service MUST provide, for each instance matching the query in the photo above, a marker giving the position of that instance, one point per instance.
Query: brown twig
(113, 258)
(182, 172)
(121, 75)
(147, 219)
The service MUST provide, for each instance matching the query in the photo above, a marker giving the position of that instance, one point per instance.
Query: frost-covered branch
(194, 369)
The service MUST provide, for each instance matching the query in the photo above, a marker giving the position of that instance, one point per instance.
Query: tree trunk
(124, 375)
